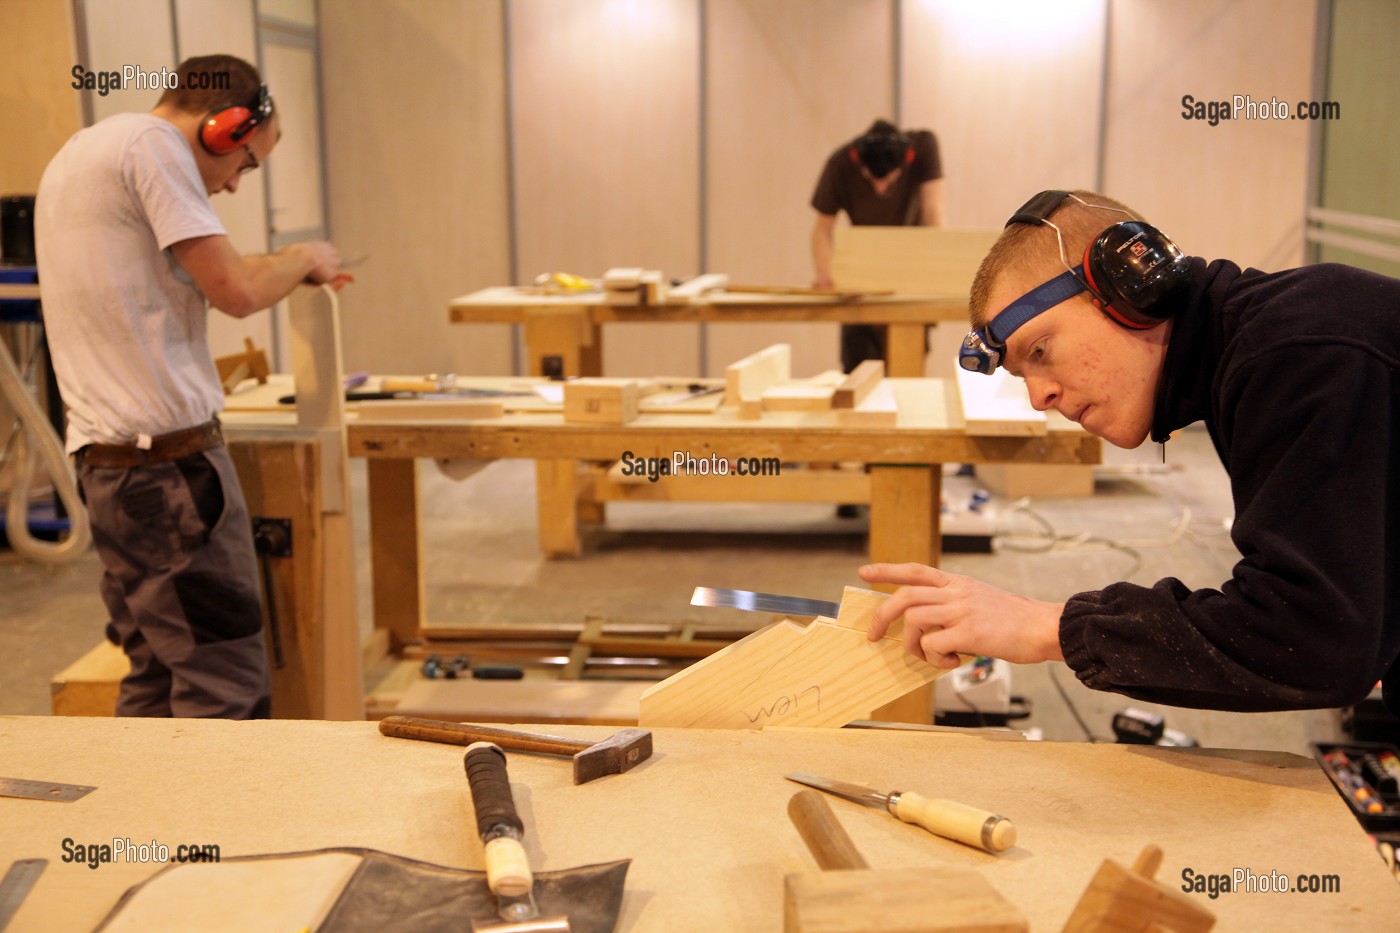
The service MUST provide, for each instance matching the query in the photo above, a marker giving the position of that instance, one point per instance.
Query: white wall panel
(606, 118)
(1236, 190)
(414, 98)
(787, 81)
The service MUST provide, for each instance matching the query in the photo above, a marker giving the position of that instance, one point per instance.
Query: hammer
(619, 752)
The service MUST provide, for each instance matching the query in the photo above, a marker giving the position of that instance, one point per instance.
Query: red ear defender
(855, 156)
(224, 131)
(220, 132)
(909, 155)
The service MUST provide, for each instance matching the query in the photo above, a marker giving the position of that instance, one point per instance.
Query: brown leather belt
(163, 447)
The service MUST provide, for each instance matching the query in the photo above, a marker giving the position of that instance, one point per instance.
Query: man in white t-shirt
(131, 255)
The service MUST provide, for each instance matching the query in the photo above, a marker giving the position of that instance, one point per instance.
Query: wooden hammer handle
(461, 733)
(830, 845)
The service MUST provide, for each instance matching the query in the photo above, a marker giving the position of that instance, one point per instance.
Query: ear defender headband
(230, 128)
(1132, 271)
(882, 152)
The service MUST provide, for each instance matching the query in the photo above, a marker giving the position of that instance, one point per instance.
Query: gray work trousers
(180, 581)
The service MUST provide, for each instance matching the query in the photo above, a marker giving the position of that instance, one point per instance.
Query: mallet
(619, 752)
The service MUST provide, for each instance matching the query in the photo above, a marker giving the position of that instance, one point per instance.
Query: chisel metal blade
(857, 792)
(763, 602)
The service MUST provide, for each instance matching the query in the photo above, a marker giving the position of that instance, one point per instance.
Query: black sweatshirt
(1297, 376)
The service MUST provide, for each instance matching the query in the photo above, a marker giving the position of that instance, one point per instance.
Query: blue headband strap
(1041, 298)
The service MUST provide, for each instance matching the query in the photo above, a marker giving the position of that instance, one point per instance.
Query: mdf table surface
(704, 820)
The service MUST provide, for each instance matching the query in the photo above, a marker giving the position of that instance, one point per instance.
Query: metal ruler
(43, 790)
(14, 887)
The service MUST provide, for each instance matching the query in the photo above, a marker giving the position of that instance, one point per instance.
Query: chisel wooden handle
(462, 733)
(817, 825)
(507, 868)
(955, 821)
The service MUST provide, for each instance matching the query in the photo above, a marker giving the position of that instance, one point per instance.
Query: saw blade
(14, 887)
(763, 602)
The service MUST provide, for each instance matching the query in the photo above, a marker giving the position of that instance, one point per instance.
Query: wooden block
(429, 410)
(798, 398)
(824, 673)
(905, 900)
(998, 406)
(879, 409)
(750, 408)
(623, 278)
(860, 383)
(1038, 480)
(602, 401)
(653, 287)
(698, 286)
(89, 686)
(749, 377)
(1118, 899)
(234, 368)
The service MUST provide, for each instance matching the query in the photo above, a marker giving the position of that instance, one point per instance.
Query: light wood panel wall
(135, 32)
(414, 109)
(786, 82)
(607, 145)
(1236, 190)
(1012, 90)
(209, 27)
(37, 104)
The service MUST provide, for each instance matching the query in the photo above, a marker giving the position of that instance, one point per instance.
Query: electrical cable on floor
(1073, 710)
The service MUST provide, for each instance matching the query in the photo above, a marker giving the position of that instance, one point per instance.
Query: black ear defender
(230, 128)
(1134, 273)
(882, 150)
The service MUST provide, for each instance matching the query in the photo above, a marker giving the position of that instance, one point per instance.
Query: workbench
(903, 483)
(703, 821)
(570, 326)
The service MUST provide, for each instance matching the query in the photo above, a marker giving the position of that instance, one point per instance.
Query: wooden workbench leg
(564, 333)
(904, 504)
(904, 511)
(396, 549)
(590, 508)
(590, 360)
(556, 490)
(904, 351)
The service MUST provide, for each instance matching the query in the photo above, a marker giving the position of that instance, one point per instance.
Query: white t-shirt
(126, 325)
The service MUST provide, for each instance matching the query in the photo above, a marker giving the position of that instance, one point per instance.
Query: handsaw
(763, 602)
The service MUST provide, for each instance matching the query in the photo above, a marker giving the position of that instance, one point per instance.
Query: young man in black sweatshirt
(1296, 375)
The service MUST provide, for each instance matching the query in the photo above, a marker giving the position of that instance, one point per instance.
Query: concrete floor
(483, 565)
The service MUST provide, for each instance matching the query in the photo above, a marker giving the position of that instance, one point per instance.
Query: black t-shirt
(843, 187)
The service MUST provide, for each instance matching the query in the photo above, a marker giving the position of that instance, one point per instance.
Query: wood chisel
(763, 602)
(957, 821)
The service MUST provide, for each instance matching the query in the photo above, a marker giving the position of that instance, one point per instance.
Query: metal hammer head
(620, 752)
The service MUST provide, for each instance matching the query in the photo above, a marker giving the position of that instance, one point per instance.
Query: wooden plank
(910, 260)
(823, 674)
(860, 383)
(429, 410)
(906, 900)
(696, 287)
(89, 686)
(749, 377)
(998, 406)
(794, 485)
(583, 702)
(794, 397)
(879, 409)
